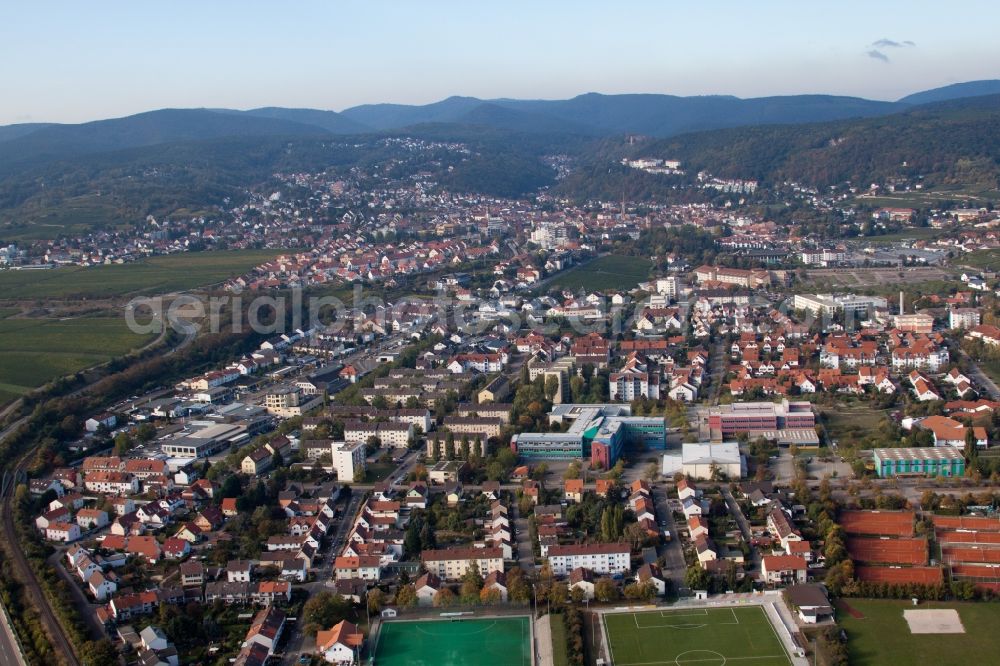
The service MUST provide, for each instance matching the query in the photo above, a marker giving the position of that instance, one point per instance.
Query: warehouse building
(698, 461)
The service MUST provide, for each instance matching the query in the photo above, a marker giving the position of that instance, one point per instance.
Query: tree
(518, 588)
(123, 442)
(472, 584)
(696, 578)
(444, 598)
(323, 610)
(376, 599)
(971, 450)
(449, 446)
(465, 447)
(605, 589)
(406, 597)
(490, 596)
(99, 653)
(551, 387)
(652, 471)
(839, 575)
(636, 535)
(145, 432)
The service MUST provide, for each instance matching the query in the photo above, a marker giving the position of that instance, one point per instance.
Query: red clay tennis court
(969, 537)
(888, 551)
(899, 575)
(985, 555)
(982, 571)
(967, 523)
(878, 523)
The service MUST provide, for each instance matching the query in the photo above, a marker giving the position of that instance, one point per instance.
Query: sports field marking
(452, 632)
(774, 631)
(719, 659)
(683, 625)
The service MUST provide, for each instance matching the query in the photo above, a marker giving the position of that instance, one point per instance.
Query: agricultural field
(156, 275)
(609, 272)
(34, 351)
(878, 635)
(696, 636)
(500, 641)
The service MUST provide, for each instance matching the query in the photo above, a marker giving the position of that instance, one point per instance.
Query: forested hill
(954, 142)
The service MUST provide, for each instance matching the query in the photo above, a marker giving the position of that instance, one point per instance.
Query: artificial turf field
(737, 636)
(501, 641)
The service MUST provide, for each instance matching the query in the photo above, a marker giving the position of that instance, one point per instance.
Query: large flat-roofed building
(725, 421)
(598, 432)
(853, 304)
(201, 439)
(700, 461)
(919, 460)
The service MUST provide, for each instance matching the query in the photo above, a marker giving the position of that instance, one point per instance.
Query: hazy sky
(76, 61)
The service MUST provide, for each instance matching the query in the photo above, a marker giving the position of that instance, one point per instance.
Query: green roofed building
(598, 432)
(919, 461)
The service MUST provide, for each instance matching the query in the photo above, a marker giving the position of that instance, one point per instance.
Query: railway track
(53, 627)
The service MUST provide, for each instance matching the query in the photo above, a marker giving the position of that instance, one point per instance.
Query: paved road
(10, 653)
(717, 364)
(672, 552)
(88, 609)
(977, 375)
(741, 520)
(525, 553)
(298, 642)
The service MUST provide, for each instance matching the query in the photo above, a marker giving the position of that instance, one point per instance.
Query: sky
(75, 61)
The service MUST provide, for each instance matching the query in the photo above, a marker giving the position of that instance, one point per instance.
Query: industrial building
(201, 439)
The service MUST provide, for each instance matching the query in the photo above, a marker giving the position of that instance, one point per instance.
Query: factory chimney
(901, 311)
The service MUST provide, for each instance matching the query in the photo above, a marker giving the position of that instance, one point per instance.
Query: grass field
(34, 351)
(156, 275)
(858, 420)
(914, 233)
(882, 637)
(989, 259)
(498, 641)
(610, 272)
(696, 636)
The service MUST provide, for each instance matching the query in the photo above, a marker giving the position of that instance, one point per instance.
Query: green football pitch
(502, 641)
(737, 636)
